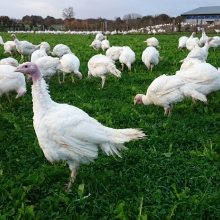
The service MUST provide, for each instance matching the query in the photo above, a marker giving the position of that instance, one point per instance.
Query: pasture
(172, 174)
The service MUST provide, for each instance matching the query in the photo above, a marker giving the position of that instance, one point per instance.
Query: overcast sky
(108, 9)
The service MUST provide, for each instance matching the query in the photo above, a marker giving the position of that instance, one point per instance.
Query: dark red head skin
(30, 69)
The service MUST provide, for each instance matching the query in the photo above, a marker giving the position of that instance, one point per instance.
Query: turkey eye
(25, 66)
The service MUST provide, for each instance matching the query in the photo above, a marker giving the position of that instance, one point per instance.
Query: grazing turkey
(204, 77)
(60, 49)
(127, 57)
(39, 53)
(67, 133)
(166, 90)
(96, 45)
(49, 66)
(25, 48)
(46, 46)
(100, 37)
(150, 57)
(9, 46)
(215, 42)
(9, 61)
(114, 52)
(105, 44)
(182, 42)
(101, 66)
(11, 81)
(70, 64)
(152, 42)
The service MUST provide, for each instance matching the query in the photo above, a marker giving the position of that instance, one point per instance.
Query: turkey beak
(20, 94)
(17, 69)
(79, 75)
(135, 102)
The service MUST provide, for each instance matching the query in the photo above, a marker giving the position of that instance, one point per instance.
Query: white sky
(108, 9)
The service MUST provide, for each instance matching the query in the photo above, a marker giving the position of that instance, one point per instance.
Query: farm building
(203, 15)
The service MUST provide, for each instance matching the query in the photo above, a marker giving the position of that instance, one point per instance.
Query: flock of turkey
(74, 136)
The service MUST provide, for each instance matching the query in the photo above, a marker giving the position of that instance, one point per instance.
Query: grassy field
(172, 174)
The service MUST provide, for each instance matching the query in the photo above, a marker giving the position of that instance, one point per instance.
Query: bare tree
(68, 14)
(130, 19)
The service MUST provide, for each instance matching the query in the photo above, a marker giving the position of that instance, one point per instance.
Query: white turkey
(96, 45)
(49, 66)
(182, 42)
(204, 77)
(114, 52)
(166, 90)
(25, 48)
(204, 37)
(67, 133)
(215, 42)
(60, 49)
(192, 42)
(127, 57)
(46, 46)
(153, 42)
(70, 64)
(9, 61)
(196, 55)
(11, 81)
(105, 44)
(39, 53)
(189, 62)
(100, 66)
(9, 46)
(100, 37)
(151, 57)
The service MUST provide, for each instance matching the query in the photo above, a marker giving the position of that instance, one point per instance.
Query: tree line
(129, 21)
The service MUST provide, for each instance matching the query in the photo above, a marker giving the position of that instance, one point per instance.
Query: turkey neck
(41, 98)
(146, 100)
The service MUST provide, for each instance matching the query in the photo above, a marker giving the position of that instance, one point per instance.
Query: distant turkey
(96, 44)
(127, 57)
(182, 42)
(196, 55)
(114, 52)
(67, 133)
(38, 53)
(192, 42)
(153, 42)
(70, 64)
(46, 45)
(60, 49)
(105, 44)
(100, 66)
(215, 43)
(151, 57)
(100, 37)
(24, 47)
(204, 37)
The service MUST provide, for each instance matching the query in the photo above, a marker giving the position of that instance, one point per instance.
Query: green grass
(173, 174)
